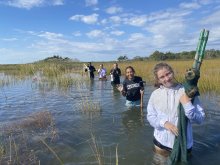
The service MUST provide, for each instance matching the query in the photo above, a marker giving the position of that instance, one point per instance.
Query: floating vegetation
(87, 105)
(17, 138)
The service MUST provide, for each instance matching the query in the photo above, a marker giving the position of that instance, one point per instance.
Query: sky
(103, 30)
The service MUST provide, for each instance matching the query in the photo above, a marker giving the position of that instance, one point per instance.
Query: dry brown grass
(210, 72)
(17, 138)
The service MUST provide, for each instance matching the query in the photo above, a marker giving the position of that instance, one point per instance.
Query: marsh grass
(99, 154)
(17, 138)
(58, 74)
(52, 151)
(87, 105)
(116, 155)
(209, 79)
(52, 74)
(97, 150)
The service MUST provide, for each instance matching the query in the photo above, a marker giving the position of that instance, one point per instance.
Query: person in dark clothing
(133, 88)
(115, 75)
(91, 70)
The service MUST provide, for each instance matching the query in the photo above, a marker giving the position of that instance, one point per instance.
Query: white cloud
(113, 10)
(77, 34)
(91, 2)
(211, 19)
(167, 31)
(9, 39)
(136, 20)
(205, 2)
(214, 36)
(115, 19)
(58, 2)
(192, 5)
(136, 36)
(28, 4)
(104, 21)
(88, 19)
(117, 33)
(95, 34)
(50, 35)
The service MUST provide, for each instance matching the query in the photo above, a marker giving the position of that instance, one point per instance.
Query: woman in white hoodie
(162, 110)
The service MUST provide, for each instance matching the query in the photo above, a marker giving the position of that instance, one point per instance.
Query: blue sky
(103, 30)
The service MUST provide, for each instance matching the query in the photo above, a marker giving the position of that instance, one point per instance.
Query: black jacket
(116, 75)
(132, 88)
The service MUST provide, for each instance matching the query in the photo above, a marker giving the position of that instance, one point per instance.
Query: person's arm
(141, 84)
(105, 71)
(111, 71)
(119, 72)
(194, 111)
(124, 91)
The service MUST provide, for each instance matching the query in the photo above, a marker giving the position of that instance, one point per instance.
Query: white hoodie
(162, 107)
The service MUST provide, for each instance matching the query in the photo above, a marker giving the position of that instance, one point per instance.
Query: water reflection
(132, 119)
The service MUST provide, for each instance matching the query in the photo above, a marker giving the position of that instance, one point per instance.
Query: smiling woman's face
(129, 73)
(165, 77)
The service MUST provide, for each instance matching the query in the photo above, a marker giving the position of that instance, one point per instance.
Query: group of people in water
(115, 73)
(162, 108)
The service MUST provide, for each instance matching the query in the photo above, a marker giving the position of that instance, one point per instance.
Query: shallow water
(114, 126)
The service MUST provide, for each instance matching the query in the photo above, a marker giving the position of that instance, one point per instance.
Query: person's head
(101, 65)
(164, 75)
(89, 63)
(115, 65)
(129, 72)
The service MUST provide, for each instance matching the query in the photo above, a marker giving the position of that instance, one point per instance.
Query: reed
(116, 155)
(52, 151)
(209, 81)
(88, 105)
(210, 72)
(97, 151)
(17, 138)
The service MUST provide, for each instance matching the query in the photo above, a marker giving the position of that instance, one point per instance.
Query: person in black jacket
(115, 75)
(133, 88)
(91, 69)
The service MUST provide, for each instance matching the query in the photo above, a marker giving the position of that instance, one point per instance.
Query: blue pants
(133, 103)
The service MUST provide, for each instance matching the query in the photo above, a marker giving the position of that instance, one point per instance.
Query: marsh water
(98, 137)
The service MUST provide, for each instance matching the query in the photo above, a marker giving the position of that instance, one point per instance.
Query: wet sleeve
(194, 111)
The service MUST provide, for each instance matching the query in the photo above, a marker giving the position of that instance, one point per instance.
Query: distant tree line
(160, 56)
(59, 58)
(56, 57)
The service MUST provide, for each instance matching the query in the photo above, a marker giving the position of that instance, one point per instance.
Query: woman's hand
(184, 99)
(120, 87)
(171, 127)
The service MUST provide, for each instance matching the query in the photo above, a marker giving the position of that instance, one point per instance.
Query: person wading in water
(132, 88)
(162, 112)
